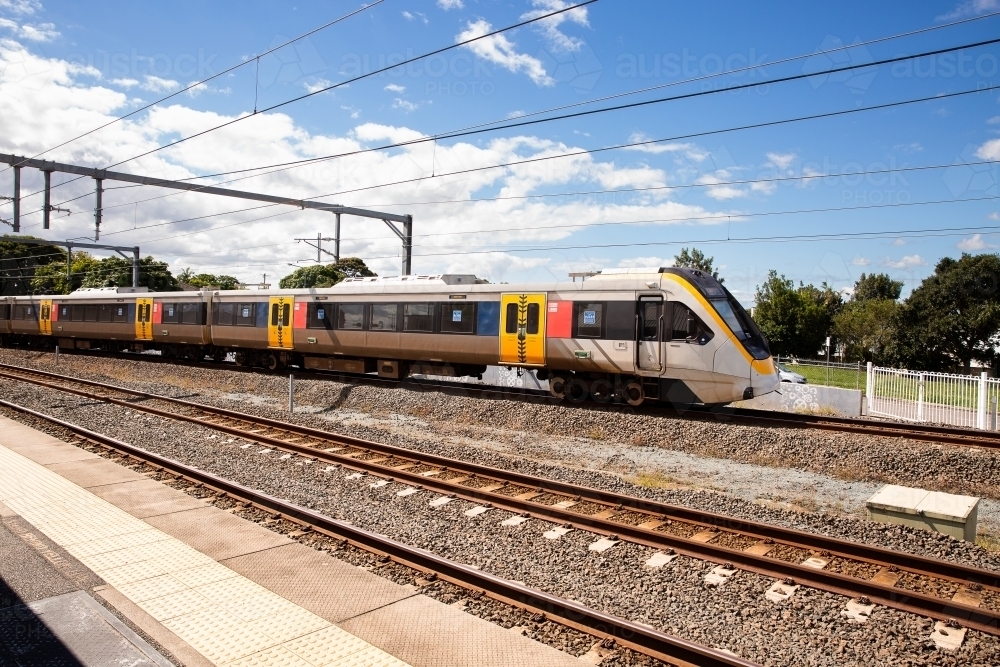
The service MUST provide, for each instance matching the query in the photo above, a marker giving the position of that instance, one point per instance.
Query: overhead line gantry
(401, 225)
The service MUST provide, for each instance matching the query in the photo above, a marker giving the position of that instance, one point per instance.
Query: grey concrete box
(930, 510)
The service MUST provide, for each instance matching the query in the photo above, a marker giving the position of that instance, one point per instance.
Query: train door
(522, 329)
(45, 317)
(279, 322)
(649, 334)
(144, 318)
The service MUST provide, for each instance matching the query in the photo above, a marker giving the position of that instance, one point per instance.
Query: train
(666, 334)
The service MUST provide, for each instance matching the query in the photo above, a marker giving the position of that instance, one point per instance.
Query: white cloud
(970, 8)
(406, 105)
(354, 112)
(721, 192)
(994, 216)
(912, 147)
(125, 83)
(43, 32)
(994, 120)
(316, 86)
(395, 88)
(450, 4)
(557, 40)
(692, 152)
(501, 51)
(642, 262)
(781, 160)
(47, 100)
(157, 85)
(974, 242)
(990, 150)
(861, 261)
(906, 262)
(514, 114)
(412, 16)
(898, 242)
(207, 88)
(23, 7)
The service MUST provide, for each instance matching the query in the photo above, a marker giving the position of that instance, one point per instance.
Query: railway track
(870, 575)
(612, 629)
(947, 435)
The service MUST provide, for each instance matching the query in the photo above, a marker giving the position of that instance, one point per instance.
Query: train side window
(418, 317)
(190, 313)
(459, 318)
(533, 318)
(171, 313)
(64, 313)
(105, 314)
(351, 316)
(244, 315)
(589, 319)
(119, 313)
(18, 313)
(319, 316)
(510, 325)
(225, 314)
(649, 319)
(686, 326)
(77, 313)
(384, 317)
(91, 312)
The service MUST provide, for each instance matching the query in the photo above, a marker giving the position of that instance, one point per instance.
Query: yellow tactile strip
(229, 619)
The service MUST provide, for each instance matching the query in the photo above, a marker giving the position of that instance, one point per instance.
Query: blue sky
(68, 67)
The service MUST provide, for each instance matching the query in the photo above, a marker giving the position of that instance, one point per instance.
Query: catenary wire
(628, 145)
(194, 85)
(520, 123)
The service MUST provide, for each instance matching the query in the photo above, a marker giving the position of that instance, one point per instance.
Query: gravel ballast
(808, 629)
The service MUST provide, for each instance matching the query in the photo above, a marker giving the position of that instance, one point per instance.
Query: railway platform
(211, 588)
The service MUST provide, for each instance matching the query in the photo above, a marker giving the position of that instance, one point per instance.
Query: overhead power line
(568, 106)
(282, 166)
(591, 151)
(194, 85)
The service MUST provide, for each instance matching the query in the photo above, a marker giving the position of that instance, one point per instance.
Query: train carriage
(630, 335)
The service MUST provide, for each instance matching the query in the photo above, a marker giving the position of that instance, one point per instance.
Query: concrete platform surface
(228, 590)
(72, 630)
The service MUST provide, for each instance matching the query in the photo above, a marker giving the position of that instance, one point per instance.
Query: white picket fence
(937, 398)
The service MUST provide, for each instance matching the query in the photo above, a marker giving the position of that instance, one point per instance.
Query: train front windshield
(742, 325)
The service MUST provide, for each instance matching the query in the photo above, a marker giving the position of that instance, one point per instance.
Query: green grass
(832, 377)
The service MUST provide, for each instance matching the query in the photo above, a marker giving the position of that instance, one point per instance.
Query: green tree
(51, 278)
(353, 267)
(117, 272)
(207, 280)
(695, 259)
(326, 275)
(317, 275)
(866, 328)
(796, 321)
(866, 324)
(877, 286)
(20, 261)
(953, 317)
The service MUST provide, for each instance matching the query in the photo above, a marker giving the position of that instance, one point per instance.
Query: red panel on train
(157, 312)
(299, 319)
(559, 323)
(55, 312)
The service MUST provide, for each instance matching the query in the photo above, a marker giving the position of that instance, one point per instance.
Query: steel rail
(636, 636)
(985, 620)
(948, 435)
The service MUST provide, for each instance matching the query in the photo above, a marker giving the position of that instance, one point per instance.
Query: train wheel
(577, 390)
(557, 386)
(241, 359)
(633, 393)
(218, 355)
(602, 390)
(271, 361)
